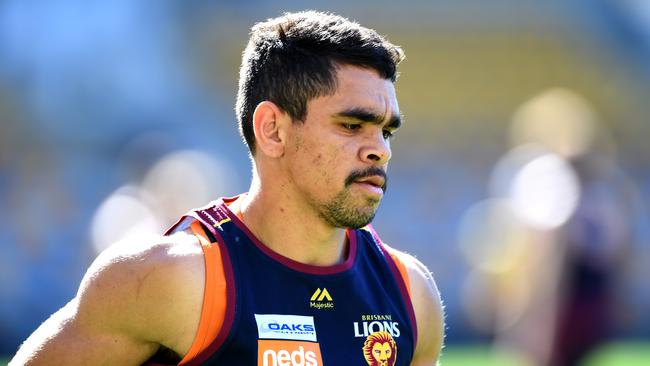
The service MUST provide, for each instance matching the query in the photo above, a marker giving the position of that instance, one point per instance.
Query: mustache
(371, 171)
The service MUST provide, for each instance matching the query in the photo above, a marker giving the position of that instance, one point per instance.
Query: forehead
(358, 87)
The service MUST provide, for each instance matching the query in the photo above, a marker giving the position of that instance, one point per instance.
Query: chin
(346, 211)
(361, 219)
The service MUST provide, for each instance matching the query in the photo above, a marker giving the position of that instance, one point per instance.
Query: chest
(284, 316)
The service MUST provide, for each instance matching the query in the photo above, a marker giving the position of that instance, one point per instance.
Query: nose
(376, 150)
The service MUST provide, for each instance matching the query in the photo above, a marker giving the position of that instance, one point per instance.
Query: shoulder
(427, 306)
(150, 288)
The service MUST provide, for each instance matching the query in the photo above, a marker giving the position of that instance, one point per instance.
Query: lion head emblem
(380, 349)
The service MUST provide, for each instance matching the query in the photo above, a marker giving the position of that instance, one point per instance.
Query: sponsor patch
(290, 327)
(288, 353)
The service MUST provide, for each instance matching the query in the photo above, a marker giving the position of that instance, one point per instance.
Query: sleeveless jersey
(284, 313)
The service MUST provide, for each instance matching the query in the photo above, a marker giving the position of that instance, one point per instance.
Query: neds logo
(288, 353)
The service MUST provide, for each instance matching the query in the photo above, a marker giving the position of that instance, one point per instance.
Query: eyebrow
(366, 115)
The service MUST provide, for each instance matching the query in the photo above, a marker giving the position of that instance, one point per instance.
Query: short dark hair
(292, 59)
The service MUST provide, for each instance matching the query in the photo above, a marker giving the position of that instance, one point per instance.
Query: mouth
(374, 180)
(374, 186)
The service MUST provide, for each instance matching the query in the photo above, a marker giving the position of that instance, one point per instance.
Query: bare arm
(128, 305)
(428, 312)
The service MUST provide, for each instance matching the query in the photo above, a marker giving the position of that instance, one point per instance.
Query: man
(289, 273)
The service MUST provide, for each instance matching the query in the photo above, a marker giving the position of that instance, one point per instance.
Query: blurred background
(520, 177)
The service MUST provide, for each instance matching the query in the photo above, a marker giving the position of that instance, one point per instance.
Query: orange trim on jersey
(402, 268)
(214, 296)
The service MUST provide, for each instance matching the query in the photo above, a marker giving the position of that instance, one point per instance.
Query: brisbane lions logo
(380, 349)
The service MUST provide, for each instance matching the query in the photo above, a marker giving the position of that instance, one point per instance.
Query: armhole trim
(213, 311)
(404, 283)
(399, 269)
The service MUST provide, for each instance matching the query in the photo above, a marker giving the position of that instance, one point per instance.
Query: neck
(289, 228)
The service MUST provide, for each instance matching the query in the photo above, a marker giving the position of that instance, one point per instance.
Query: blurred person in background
(292, 269)
(561, 207)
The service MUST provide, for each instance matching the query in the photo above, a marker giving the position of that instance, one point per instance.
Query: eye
(387, 134)
(351, 126)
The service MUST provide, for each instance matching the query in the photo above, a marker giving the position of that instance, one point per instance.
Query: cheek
(323, 161)
(319, 161)
(322, 168)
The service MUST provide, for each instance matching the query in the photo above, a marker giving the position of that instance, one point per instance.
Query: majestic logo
(321, 299)
(380, 349)
(292, 327)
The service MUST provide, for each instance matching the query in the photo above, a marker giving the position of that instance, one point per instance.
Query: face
(381, 352)
(337, 158)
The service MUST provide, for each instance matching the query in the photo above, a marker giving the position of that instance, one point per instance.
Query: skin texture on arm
(428, 312)
(135, 298)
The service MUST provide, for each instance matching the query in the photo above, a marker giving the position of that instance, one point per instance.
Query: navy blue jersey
(281, 312)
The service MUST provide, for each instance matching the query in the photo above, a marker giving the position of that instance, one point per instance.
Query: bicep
(103, 324)
(66, 339)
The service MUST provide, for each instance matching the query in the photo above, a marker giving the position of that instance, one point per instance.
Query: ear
(269, 122)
